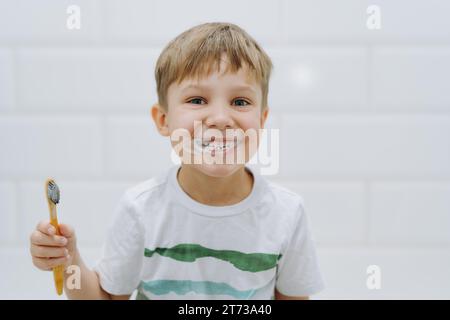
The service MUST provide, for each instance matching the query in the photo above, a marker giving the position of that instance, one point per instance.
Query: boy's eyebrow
(239, 87)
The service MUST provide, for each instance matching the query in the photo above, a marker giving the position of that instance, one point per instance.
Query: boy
(204, 229)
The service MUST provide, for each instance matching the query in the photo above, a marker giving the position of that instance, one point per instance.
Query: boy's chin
(217, 170)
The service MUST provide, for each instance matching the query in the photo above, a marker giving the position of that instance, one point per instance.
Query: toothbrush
(52, 192)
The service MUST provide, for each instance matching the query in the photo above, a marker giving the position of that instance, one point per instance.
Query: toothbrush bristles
(53, 192)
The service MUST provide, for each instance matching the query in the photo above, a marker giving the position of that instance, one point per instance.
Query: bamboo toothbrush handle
(58, 271)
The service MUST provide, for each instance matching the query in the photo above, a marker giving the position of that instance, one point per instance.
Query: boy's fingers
(66, 230)
(42, 239)
(54, 262)
(46, 227)
(48, 252)
(41, 263)
(49, 263)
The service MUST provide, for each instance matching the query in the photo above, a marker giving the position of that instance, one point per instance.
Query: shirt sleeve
(298, 269)
(123, 251)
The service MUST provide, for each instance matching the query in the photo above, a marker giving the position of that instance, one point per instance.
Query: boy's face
(209, 110)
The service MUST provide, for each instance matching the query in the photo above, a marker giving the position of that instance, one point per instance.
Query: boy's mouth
(216, 145)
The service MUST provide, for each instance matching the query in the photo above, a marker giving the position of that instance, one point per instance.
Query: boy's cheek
(181, 131)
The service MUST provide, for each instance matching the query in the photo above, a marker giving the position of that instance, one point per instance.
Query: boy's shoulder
(285, 200)
(287, 210)
(285, 193)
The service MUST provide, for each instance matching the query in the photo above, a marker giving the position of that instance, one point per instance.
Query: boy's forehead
(240, 79)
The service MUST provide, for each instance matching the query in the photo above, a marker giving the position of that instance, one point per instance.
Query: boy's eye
(195, 99)
(242, 100)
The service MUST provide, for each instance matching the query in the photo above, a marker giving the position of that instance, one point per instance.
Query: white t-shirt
(169, 246)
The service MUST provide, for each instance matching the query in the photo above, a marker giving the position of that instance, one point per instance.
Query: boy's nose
(219, 117)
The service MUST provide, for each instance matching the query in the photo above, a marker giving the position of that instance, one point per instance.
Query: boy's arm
(90, 288)
(279, 296)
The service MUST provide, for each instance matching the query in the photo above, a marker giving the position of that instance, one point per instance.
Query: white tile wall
(104, 80)
(34, 146)
(338, 210)
(364, 119)
(43, 22)
(417, 273)
(418, 213)
(157, 21)
(402, 21)
(310, 78)
(411, 77)
(366, 146)
(8, 209)
(7, 89)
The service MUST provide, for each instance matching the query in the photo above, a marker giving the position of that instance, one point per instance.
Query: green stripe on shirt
(189, 252)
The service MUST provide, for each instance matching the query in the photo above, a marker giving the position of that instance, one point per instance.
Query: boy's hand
(49, 250)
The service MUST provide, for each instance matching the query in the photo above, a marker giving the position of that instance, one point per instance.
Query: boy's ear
(160, 118)
(264, 117)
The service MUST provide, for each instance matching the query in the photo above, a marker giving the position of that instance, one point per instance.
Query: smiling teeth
(209, 146)
(217, 146)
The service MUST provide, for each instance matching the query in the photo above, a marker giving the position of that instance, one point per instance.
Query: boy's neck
(215, 191)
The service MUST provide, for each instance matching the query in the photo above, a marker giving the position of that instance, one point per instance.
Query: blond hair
(193, 53)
